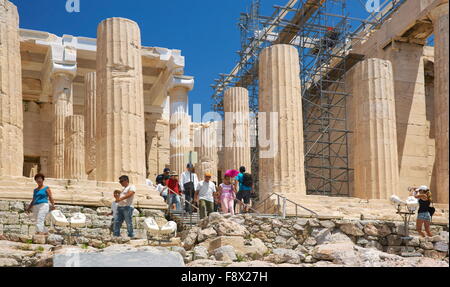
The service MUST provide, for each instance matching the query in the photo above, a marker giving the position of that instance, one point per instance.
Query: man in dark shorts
(245, 188)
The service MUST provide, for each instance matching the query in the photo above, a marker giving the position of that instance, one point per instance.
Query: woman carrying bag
(425, 211)
(39, 206)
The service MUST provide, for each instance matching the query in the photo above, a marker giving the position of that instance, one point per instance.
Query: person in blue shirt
(39, 206)
(245, 191)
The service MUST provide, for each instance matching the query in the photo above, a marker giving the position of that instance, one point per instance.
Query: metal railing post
(278, 205)
(284, 207)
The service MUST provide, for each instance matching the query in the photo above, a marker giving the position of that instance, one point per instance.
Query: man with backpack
(245, 188)
(162, 178)
(188, 183)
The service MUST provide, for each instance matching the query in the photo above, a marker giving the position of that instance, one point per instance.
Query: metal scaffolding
(321, 31)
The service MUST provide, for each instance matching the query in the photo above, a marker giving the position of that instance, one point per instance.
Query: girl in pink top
(227, 195)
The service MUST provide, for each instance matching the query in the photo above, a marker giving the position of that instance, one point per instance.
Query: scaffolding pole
(321, 31)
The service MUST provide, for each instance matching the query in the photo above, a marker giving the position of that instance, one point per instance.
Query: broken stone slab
(286, 233)
(55, 239)
(281, 255)
(426, 245)
(200, 252)
(206, 233)
(230, 228)
(327, 224)
(441, 246)
(253, 248)
(321, 235)
(8, 262)
(179, 249)
(39, 239)
(150, 257)
(352, 228)
(341, 253)
(225, 253)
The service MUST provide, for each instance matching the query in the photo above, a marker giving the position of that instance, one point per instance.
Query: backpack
(160, 179)
(247, 180)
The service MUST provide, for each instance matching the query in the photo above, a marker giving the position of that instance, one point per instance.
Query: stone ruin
(84, 111)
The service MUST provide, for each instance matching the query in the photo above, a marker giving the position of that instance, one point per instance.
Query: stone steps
(83, 192)
(348, 208)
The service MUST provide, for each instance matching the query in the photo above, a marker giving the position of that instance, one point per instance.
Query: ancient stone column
(120, 139)
(90, 127)
(237, 151)
(207, 150)
(179, 141)
(375, 133)
(281, 170)
(74, 153)
(179, 122)
(411, 117)
(441, 39)
(157, 143)
(11, 111)
(62, 108)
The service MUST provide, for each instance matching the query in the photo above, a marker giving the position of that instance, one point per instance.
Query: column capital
(61, 59)
(438, 11)
(186, 82)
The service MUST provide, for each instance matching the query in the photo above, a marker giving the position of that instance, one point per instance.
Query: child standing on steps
(227, 195)
(114, 209)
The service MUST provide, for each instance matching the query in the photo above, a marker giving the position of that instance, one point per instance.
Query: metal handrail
(285, 200)
(183, 210)
(250, 208)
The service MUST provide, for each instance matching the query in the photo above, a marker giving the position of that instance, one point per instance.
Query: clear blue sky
(205, 30)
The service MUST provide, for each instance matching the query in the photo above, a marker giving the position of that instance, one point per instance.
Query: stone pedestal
(120, 138)
(280, 94)
(74, 153)
(62, 108)
(11, 111)
(375, 132)
(237, 151)
(441, 93)
(90, 127)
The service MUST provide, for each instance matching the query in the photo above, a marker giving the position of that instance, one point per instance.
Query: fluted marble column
(11, 111)
(280, 93)
(74, 153)
(441, 55)
(375, 135)
(179, 141)
(120, 137)
(237, 151)
(180, 128)
(62, 108)
(90, 127)
(207, 150)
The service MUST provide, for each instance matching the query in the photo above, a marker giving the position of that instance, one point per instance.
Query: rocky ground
(246, 241)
